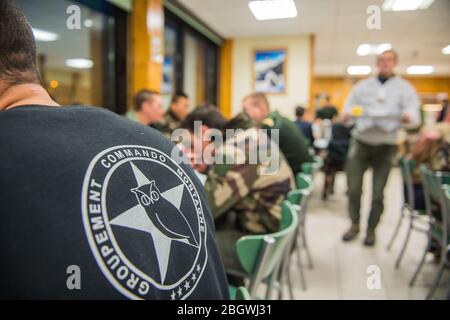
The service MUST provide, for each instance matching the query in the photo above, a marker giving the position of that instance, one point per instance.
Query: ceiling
(339, 27)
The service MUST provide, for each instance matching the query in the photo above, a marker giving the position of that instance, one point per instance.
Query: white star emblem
(173, 295)
(187, 285)
(180, 291)
(194, 277)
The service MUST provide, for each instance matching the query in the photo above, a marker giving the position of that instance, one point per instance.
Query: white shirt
(383, 105)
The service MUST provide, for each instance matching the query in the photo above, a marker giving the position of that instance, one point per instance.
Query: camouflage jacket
(247, 187)
(168, 124)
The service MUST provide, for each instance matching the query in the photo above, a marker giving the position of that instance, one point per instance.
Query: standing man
(387, 101)
(178, 111)
(148, 108)
(292, 142)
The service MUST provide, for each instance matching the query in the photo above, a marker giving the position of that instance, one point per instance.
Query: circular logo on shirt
(144, 221)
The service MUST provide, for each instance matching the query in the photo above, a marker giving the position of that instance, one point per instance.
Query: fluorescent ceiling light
(44, 36)
(446, 50)
(359, 70)
(366, 49)
(420, 69)
(80, 63)
(273, 9)
(88, 23)
(406, 5)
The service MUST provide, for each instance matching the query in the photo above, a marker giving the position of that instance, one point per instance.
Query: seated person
(433, 149)
(336, 155)
(92, 206)
(178, 110)
(291, 140)
(328, 111)
(147, 109)
(304, 126)
(245, 195)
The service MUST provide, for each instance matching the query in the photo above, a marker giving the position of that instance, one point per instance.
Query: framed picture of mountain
(269, 71)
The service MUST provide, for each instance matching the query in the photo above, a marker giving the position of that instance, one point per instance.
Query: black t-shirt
(93, 206)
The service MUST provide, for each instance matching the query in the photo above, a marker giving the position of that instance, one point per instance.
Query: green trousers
(360, 158)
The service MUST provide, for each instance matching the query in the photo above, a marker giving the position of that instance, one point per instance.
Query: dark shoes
(351, 233)
(370, 238)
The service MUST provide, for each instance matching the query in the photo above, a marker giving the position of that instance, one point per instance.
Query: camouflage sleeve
(228, 184)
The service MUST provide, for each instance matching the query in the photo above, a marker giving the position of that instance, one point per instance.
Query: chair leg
(436, 280)
(300, 264)
(405, 244)
(397, 228)
(308, 253)
(420, 265)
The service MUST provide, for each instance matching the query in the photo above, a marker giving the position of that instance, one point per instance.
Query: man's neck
(142, 118)
(24, 94)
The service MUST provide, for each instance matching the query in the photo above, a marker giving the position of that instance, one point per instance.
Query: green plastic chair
(304, 183)
(407, 167)
(298, 199)
(311, 168)
(240, 293)
(445, 205)
(261, 255)
(432, 186)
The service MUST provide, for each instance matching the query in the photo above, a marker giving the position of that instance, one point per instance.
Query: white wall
(298, 73)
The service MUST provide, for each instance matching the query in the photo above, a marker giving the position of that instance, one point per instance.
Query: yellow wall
(339, 87)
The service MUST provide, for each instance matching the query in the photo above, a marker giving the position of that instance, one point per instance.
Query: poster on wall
(269, 71)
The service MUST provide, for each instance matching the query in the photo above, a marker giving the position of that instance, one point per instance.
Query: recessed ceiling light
(88, 23)
(406, 5)
(359, 70)
(372, 49)
(420, 69)
(273, 9)
(44, 36)
(446, 50)
(80, 63)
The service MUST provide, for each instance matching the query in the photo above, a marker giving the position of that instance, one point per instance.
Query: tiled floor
(340, 269)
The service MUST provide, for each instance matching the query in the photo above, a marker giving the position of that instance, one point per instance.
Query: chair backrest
(310, 168)
(406, 168)
(260, 254)
(242, 294)
(298, 197)
(303, 181)
(432, 183)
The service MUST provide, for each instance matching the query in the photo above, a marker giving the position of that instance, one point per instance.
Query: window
(191, 62)
(80, 63)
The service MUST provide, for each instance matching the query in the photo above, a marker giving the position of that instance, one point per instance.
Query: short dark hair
(300, 111)
(142, 96)
(17, 46)
(394, 53)
(209, 116)
(177, 96)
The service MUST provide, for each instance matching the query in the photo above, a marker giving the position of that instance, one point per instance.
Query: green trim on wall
(126, 5)
(194, 23)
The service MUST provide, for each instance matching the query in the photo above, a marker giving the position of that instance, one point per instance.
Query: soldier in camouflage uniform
(245, 197)
(178, 110)
(292, 143)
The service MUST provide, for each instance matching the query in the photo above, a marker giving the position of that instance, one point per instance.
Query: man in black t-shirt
(92, 205)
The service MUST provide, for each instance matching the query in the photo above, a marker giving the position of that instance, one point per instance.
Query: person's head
(17, 47)
(300, 112)
(208, 118)
(386, 62)
(149, 104)
(180, 105)
(257, 106)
